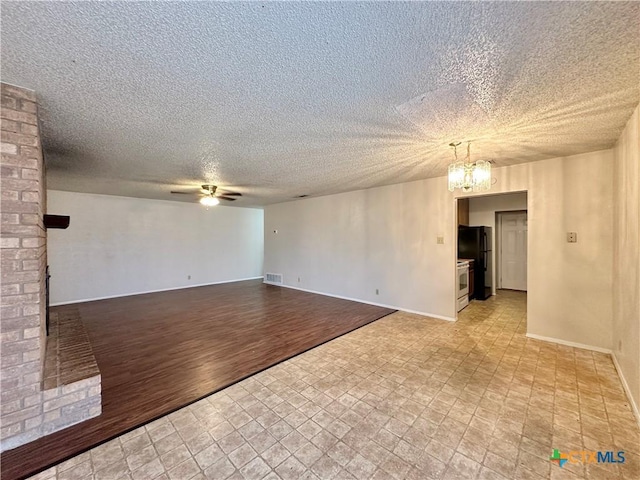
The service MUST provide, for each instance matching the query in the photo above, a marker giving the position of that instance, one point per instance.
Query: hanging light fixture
(468, 176)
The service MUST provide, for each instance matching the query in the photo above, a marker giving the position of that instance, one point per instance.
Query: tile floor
(406, 397)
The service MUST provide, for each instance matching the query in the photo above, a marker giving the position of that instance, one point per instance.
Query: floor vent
(273, 278)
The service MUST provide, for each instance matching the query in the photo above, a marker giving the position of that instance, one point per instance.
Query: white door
(513, 250)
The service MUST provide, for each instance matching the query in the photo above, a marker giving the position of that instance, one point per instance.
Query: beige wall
(482, 212)
(354, 243)
(385, 238)
(569, 297)
(626, 266)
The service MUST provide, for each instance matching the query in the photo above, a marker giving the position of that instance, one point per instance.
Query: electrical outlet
(188, 277)
(572, 237)
(377, 292)
(440, 240)
(298, 279)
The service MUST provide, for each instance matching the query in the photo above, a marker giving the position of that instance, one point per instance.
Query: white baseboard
(626, 388)
(425, 314)
(568, 344)
(151, 291)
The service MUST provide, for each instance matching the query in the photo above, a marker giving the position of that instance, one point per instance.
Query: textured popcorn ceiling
(282, 99)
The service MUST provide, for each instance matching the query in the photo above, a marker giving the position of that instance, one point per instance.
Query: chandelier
(468, 176)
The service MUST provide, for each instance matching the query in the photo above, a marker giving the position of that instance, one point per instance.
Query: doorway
(482, 211)
(512, 250)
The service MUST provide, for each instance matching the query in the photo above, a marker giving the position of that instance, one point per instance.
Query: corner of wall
(626, 260)
(627, 388)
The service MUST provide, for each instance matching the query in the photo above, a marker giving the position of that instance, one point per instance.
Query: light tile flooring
(406, 397)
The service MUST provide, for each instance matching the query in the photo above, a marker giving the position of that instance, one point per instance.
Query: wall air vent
(273, 278)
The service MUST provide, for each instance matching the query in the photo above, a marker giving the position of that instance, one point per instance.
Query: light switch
(572, 237)
(440, 240)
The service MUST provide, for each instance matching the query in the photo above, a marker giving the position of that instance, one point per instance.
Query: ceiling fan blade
(210, 190)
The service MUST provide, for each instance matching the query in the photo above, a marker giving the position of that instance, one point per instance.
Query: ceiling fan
(208, 196)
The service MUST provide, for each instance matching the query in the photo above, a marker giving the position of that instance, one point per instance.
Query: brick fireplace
(30, 407)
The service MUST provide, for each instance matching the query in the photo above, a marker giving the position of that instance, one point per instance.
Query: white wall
(120, 246)
(626, 266)
(482, 212)
(352, 243)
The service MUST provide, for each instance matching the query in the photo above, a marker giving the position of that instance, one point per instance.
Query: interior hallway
(403, 397)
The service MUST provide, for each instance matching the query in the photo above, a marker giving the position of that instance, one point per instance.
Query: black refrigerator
(475, 243)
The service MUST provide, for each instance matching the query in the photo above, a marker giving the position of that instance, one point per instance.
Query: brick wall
(27, 411)
(23, 250)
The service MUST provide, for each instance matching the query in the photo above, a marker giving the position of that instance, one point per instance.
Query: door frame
(454, 235)
(497, 248)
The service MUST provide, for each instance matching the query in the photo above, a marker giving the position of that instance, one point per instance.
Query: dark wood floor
(158, 352)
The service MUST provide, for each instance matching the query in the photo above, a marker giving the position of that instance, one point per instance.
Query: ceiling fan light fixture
(210, 195)
(208, 189)
(209, 201)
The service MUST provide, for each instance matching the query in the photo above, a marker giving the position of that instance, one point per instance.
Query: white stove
(462, 285)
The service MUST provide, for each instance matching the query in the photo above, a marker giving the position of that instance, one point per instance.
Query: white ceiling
(282, 99)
